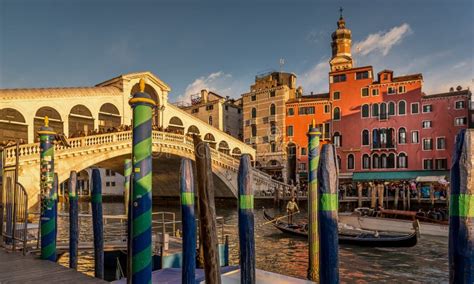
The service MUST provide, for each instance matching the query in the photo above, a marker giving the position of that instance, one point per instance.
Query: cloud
(382, 41)
(316, 78)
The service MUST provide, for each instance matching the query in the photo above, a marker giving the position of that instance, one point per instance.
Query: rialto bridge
(105, 106)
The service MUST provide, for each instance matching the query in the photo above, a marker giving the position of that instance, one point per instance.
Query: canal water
(276, 252)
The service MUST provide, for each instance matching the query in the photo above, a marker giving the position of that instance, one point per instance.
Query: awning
(398, 175)
(430, 178)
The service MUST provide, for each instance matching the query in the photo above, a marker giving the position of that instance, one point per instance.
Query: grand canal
(424, 263)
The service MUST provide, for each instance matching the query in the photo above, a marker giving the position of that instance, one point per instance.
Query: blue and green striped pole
(73, 221)
(141, 250)
(313, 237)
(328, 205)
(246, 222)
(97, 224)
(48, 194)
(461, 211)
(126, 185)
(189, 222)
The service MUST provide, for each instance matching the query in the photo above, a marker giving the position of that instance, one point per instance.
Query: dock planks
(16, 268)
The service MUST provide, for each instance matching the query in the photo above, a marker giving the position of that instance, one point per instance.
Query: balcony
(272, 118)
(253, 140)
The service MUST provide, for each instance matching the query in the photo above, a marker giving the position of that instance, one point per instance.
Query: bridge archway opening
(12, 126)
(209, 138)
(193, 130)
(81, 121)
(224, 147)
(236, 152)
(176, 125)
(154, 96)
(109, 117)
(54, 118)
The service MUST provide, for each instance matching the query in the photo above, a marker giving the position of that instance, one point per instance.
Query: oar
(276, 219)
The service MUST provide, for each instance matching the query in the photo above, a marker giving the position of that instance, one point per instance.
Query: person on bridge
(291, 209)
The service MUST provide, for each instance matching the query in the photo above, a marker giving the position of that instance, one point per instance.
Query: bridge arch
(12, 125)
(80, 120)
(55, 120)
(236, 152)
(154, 96)
(109, 116)
(223, 147)
(193, 130)
(176, 125)
(209, 138)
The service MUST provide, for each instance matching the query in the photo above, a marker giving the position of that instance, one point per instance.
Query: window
(375, 92)
(365, 137)
(350, 162)
(375, 110)
(391, 161)
(209, 107)
(441, 164)
(427, 144)
(239, 110)
(273, 128)
(253, 98)
(365, 92)
(460, 104)
(415, 108)
(391, 90)
(327, 108)
(306, 110)
(427, 108)
(327, 131)
(391, 108)
(254, 130)
(339, 162)
(337, 139)
(375, 138)
(339, 78)
(113, 184)
(366, 161)
(401, 89)
(108, 172)
(402, 161)
(273, 147)
(365, 111)
(383, 111)
(336, 95)
(402, 136)
(303, 151)
(272, 109)
(427, 164)
(375, 161)
(460, 121)
(302, 166)
(210, 120)
(289, 130)
(414, 137)
(402, 108)
(337, 113)
(362, 75)
(254, 112)
(383, 161)
(107, 184)
(440, 143)
(196, 110)
(427, 124)
(291, 111)
(272, 94)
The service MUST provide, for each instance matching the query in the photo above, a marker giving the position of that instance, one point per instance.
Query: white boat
(392, 225)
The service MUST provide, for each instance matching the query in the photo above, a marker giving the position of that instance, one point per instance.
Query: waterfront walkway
(16, 268)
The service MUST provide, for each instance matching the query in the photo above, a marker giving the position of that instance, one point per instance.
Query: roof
(307, 98)
(411, 77)
(352, 69)
(150, 76)
(58, 92)
(465, 92)
(385, 71)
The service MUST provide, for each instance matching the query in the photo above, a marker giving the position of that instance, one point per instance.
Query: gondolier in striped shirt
(291, 209)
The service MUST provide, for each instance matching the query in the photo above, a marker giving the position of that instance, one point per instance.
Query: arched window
(254, 130)
(375, 110)
(254, 112)
(338, 161)
(366, 161)
(391, 161)
(365, 137)
(383, 160)
(273, 128)
(383, 111)
(402, 108)
(273, 147)
(391, 108)
(272, 109)
(365, 111)
(210, 120)
(402, 136)
(375, 138)
(375, 161)
(402, 162)
(383, 137)
(337, 113)
(350, 162)
(337, 139)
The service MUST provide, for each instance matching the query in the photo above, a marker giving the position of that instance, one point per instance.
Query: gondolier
(291, 209)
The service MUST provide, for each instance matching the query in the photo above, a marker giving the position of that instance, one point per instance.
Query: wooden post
(73, 221)
(207, 211)
(373, 193)
(461, 211)
(404, 198)
(97, 224)
(313, 236)
(395, 200)
(359, 194)
(189, 222)
(127, 172)
(432, 195)
(328, 207)
(139, 235)
(408, 192)
(246, 222)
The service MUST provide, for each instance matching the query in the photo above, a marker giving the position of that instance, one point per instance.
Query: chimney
(204, 95)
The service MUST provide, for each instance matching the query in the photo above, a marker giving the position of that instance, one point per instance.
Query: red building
(379, 123)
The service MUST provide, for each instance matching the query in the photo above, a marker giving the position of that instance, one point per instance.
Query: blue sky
(222, 45)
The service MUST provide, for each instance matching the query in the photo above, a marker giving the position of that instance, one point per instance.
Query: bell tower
(341, 46)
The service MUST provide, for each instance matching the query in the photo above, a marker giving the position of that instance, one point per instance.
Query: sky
(222, 45)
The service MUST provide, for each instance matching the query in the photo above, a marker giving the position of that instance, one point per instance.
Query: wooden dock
(16, 268)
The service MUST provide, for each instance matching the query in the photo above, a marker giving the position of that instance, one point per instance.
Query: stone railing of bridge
(87, 151)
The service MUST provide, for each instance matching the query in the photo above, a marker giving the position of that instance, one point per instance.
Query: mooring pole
(207, 211)
(313, 237)
(189, 222)
(246, 222)
(461, 210)
(328, 207)
(140, 249)
(73, 220)
(97, 224)
(127, 172)
(395, 198)
(48, 196)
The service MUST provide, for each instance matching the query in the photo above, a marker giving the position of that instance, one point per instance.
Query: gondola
(352, 236)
